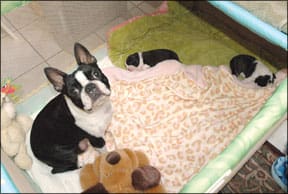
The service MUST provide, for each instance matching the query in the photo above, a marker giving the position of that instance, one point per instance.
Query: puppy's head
(87, 87)
(133, 61)
(243, 64)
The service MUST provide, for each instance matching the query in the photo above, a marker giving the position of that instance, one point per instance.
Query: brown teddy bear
(121, 171)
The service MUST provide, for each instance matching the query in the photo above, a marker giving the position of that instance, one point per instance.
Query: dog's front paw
(88, 156)
(98, 142)
(84, 144)
(101, 142)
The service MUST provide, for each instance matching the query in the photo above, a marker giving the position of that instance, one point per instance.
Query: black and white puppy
(74, 120)
(147, 59)
(252, 70)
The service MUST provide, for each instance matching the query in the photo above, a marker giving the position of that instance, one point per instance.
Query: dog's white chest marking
(94, 123)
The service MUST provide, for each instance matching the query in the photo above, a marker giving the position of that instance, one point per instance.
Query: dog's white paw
(88, 156)
(102, 150)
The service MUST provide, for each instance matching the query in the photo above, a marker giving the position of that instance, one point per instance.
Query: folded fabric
(279, 172)
(180, 116)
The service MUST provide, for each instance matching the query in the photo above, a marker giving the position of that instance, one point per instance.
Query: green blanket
(193, 39)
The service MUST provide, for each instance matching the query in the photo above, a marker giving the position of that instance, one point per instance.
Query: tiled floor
(23, 59)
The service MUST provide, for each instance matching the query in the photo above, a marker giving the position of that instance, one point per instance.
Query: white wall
(279, 138)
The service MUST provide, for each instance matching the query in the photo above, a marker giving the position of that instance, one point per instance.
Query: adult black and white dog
(252, 70)
(143, 60)
(74, 120)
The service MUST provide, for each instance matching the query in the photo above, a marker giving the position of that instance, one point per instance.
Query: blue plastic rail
(7, 185)
(251, 22)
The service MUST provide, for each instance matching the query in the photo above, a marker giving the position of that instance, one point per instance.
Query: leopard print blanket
(182, 117)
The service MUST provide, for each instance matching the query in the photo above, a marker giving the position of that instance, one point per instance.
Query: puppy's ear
(56, 77)
(82, 55)
(262, 80)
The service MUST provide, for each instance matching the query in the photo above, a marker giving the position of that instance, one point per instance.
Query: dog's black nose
(90, 88)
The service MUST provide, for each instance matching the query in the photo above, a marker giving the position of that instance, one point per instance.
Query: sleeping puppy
(252, 70)
(79, 115)
(147, 59)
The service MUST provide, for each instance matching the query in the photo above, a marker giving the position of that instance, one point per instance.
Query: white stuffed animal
(13, 133)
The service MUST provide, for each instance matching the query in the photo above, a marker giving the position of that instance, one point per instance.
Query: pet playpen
(264, 37)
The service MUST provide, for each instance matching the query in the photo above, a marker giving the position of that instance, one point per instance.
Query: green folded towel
(194, 40)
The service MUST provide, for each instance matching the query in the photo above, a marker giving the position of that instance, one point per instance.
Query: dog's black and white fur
(147, 59)
(252, 70)
(75, 119)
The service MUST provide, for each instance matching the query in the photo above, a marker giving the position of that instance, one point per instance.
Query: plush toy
(121, 171)
(13, 133)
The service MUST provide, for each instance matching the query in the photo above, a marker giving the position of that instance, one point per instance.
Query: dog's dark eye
(95, 74)
(74, 92)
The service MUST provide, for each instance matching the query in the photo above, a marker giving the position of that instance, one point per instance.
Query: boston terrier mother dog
(74, 120)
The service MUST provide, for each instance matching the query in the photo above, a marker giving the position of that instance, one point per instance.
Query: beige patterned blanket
(180, 116)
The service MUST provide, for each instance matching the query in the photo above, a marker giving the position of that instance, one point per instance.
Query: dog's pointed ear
(56, 77)
(82, 55)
